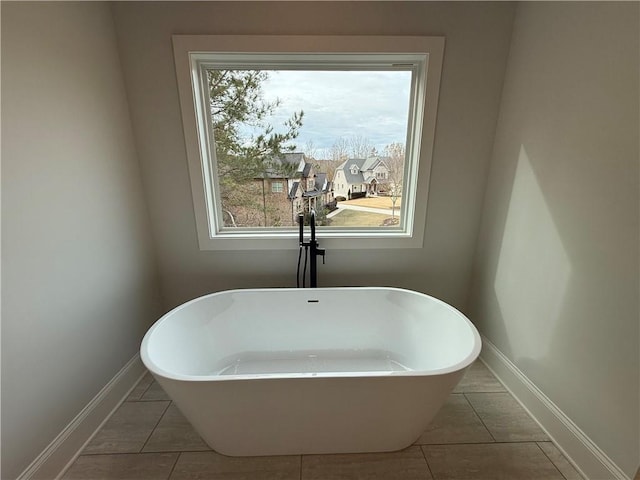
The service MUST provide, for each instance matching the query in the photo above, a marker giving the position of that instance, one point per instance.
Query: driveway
(346, 206)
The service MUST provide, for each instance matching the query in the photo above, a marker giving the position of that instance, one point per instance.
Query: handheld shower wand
(302, 246)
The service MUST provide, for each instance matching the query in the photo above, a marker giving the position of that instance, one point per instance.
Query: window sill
(330, 240)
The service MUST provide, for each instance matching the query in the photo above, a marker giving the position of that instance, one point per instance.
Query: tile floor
(481, 433)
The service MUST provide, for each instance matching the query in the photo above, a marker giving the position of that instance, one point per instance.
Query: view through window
(288, 140)
(276, 125)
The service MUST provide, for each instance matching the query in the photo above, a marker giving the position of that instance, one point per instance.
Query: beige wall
(477, 41)
(79, 284)
(556, 279)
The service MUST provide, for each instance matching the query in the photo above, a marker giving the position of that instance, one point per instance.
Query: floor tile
(468, 439)
(478, 378)
(128, 428)
(154, 393)
(174, 434)
(140, 388)
(147, 466)
(212, 465)
(456, 422)
(408, 464)
(559, 460)
(505, 418)
(497, 461)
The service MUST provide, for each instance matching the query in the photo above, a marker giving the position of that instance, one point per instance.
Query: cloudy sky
(344, 104)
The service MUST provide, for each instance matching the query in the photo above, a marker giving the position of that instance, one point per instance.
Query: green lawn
(354, 218)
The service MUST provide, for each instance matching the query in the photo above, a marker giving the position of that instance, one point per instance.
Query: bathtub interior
(304, 332)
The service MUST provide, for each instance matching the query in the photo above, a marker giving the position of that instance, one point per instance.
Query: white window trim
(187, 49)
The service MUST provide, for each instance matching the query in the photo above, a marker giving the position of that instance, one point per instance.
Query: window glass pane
(290, 140)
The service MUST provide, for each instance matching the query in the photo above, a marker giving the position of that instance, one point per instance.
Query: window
(231, 156)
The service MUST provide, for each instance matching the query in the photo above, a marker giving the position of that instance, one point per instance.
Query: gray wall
(556, 280)
(477, 43)
(79, 283)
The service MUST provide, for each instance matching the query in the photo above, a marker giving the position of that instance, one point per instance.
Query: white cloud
(342, 104)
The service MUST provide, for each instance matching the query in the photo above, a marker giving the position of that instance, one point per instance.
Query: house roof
(353, 177)
(369, 177)
(365, 169)
(291, 158)
(294, 190)
(321, 181)
(287, 162)
(371, 163)
(312, 193)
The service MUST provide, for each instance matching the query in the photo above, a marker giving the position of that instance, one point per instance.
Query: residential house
(359, 177)
(291, 186)
(314, 191)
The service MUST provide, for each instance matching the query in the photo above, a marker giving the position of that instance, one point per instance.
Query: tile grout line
(424, 455)
(145, 390)
(174, 465)
(301, 466)
(155, 426)
(479, 417)
(552, 462)
(476, 443)
(149, 401)
(84, 452)
(549, 458)
(148, 387)
(145, 453)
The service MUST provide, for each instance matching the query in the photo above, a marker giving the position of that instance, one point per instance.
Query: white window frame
(425, 54)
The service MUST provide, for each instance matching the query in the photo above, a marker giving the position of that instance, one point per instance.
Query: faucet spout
(312, 224)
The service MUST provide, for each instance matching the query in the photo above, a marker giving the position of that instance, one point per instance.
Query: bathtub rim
(156, 370)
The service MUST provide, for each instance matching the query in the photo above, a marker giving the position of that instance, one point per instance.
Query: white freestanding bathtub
(295, 371)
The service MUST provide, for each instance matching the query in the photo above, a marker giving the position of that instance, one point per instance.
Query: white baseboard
(586, 456)
(63, 450)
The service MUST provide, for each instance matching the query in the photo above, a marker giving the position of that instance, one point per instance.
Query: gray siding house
(361, 176)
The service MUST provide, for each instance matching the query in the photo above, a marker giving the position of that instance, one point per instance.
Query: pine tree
(236, 99)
